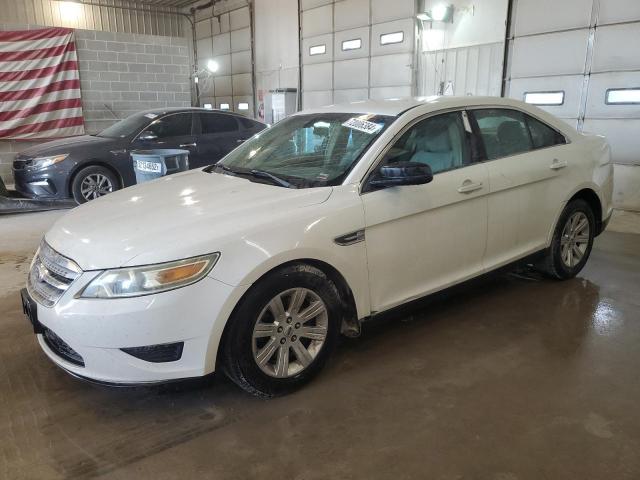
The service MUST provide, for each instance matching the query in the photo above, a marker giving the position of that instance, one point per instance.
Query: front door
(423, 238)
(170, 131)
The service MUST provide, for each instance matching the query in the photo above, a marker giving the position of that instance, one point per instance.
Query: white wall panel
(317, 99)
(223, 86)
(622, 135)
(392, 70)
(406, 25)
(221, 44)
(351, 14)
(242, 84)
(598, 86)
(571, 85)
(308, 4)
(205, 51)
(562, 53)
(385, 10)
(382, 93)
(307, 43)
(239, 18)
(616, 48)
(539, 16)
(351, 73)
(241, 62)
(317, 21)
(613, 11)
(351, 95)
(317, 76)
(203, 29)
(358, 33)
(241, 40)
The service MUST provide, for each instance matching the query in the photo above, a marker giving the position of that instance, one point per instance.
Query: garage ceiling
(154, 3)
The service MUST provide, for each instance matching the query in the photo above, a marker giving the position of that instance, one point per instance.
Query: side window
(218, 123)
(543, 135)
(504, 132)
(440, 142)
(176, 125)
(249, 124)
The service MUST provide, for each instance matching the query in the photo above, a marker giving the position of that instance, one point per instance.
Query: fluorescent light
(424, 16)
(243, 106)
(390, 38)
(208, 106)
(212, 66)
(352, 44)
(623, 96)
(224, 106)
(317, 50)
(544, 98)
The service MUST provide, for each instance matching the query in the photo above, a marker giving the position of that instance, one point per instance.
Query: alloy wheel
(95, 185)
(575, 239)
(290, 332)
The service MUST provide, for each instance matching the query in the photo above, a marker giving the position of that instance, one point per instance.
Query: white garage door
(581, 63)
(356, 49)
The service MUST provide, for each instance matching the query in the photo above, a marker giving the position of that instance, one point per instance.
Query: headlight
(43, 162)
(137, 281)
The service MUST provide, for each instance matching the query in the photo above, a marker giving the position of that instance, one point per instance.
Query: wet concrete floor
(508, 378)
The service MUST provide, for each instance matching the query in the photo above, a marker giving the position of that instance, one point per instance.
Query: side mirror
(147, 136)
(402, 173)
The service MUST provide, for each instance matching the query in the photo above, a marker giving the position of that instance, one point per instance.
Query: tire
(558, 262)
(93, 182)
(262, 330)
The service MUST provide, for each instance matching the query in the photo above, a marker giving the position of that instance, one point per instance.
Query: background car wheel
(93, 182)
(283, 331)
(572, 241)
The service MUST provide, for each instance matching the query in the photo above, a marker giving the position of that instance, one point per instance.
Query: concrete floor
(508, 378)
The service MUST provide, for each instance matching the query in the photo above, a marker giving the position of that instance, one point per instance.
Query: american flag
(39, 85)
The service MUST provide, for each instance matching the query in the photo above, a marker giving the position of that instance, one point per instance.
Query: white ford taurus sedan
(255, 266)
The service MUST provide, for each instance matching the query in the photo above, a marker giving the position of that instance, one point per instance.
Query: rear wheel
(572, 241)
(283, 331)
(93, 182)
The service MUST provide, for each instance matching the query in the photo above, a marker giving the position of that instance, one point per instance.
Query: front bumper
(44, 183)
(97, 330)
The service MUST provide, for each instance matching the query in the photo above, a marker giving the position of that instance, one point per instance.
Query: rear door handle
(468, 186)
(241, 140)
(187, 145)
(557, 164)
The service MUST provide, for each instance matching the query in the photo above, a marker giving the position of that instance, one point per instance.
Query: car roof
(164, 111)
(397, 106)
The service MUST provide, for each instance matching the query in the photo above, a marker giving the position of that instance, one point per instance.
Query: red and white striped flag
(39, 84)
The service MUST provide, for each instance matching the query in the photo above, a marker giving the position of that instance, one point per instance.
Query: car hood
(63, 145)
(178, 216)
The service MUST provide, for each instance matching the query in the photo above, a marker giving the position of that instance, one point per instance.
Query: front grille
(61, 348)
(51, 275)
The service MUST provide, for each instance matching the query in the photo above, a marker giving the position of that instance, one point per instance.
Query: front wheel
(572, 241)
(282, 333)
(93, 182)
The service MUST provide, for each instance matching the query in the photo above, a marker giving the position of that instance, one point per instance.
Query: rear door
(526, 160)
(219, 134)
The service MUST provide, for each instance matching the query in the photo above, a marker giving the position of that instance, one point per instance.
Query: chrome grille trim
(51, 275)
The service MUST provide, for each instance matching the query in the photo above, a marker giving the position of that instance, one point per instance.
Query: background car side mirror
(402, 173)
(147, 136)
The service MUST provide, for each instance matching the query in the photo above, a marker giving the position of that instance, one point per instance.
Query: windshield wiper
(270, 176)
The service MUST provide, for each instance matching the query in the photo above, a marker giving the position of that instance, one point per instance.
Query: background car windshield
(129, 126)
(310, 150)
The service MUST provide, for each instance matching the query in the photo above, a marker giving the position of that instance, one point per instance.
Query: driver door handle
(186, 145)
(468, 186)
(557, 164)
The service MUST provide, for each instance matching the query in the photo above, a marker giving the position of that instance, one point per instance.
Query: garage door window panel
(503, 132)
(440, 142)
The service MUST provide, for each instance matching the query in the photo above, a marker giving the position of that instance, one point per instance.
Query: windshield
(129, 126)
(308, 150)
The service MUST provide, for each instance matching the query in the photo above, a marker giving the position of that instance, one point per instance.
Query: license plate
(148, 166)
(30, 309)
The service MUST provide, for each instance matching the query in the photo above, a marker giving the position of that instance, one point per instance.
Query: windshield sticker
(150, 115)
(362, 125)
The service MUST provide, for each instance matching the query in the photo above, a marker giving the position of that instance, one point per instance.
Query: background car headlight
(137, 281)
(43, 162)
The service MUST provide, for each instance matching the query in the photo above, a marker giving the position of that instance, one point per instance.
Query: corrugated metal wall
(56, 13)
